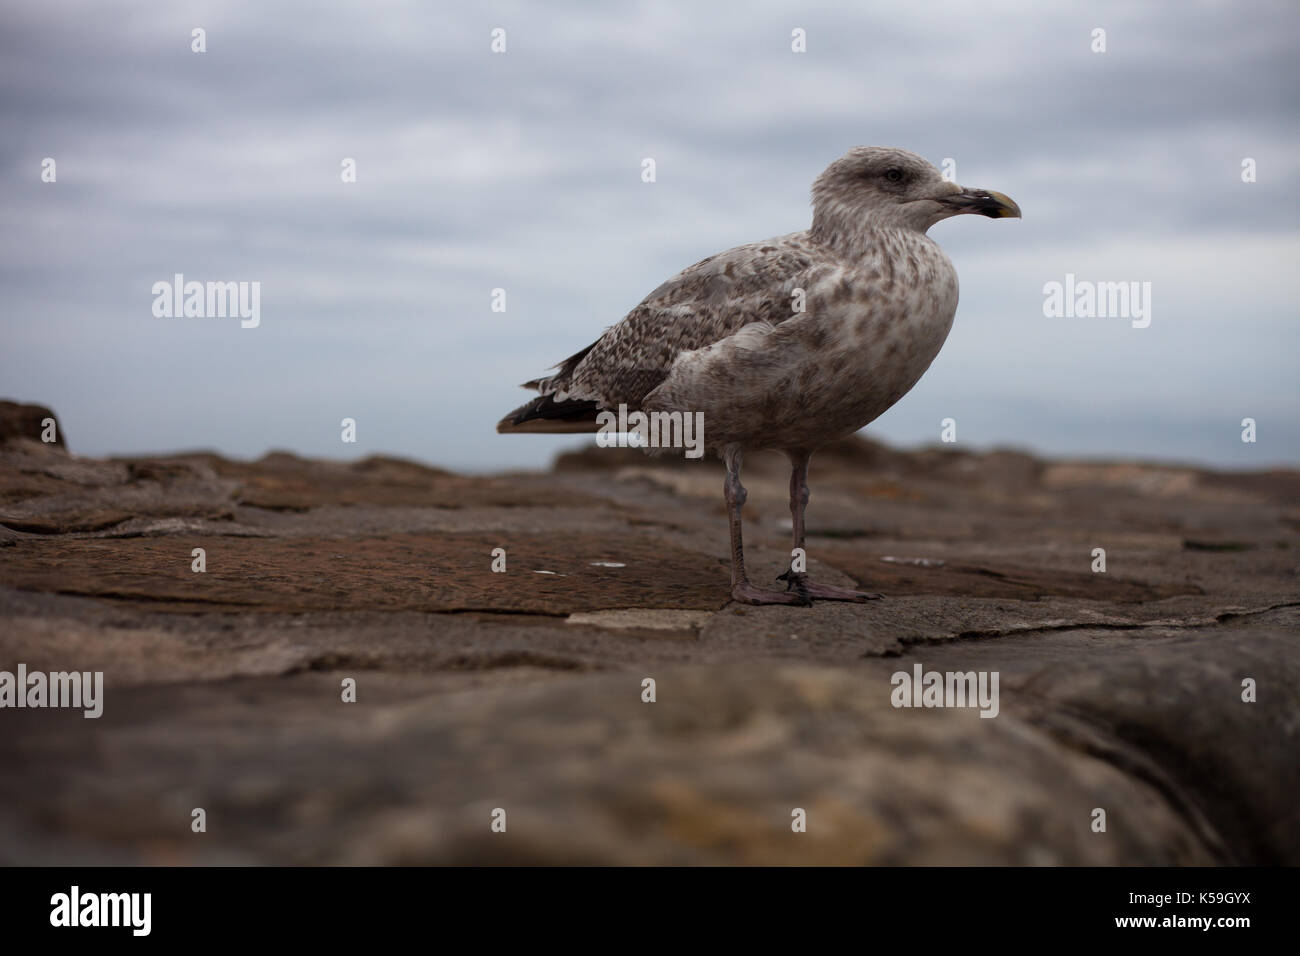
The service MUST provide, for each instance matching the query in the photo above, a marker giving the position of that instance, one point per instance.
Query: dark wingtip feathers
(545, 415)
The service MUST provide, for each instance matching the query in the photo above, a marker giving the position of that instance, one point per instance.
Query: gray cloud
(522, 171)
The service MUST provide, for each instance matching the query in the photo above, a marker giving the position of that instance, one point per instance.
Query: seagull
(790, 343)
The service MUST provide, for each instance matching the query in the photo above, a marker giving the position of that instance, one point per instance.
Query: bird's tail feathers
(545, 415)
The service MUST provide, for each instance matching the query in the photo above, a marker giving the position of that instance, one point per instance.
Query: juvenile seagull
(725, 337)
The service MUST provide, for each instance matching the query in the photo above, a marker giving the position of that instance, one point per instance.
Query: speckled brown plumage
(724, 338)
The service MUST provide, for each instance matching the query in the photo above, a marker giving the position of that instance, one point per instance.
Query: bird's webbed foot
(746, 593)
(799, 583)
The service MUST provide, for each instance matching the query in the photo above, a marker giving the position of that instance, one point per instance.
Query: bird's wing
(699, 306)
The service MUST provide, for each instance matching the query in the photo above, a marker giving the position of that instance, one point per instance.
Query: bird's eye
(894, 174)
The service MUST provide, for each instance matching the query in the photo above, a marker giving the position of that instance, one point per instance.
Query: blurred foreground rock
(522, 690)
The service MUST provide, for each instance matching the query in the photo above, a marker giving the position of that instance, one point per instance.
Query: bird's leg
(741, 589)
(798, 580)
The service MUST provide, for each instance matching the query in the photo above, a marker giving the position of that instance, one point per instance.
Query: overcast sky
(522, 170)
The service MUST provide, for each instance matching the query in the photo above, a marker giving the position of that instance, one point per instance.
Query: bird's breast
(878, 325)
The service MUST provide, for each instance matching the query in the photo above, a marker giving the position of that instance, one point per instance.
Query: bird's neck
(853, 236)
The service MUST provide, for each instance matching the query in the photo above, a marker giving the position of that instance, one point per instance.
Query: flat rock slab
(1162, 694)
(992, 579)
(544, 574)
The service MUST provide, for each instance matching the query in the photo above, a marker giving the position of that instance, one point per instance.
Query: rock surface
(475, 690)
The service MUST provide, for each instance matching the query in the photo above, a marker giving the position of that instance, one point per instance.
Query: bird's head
(882, 187)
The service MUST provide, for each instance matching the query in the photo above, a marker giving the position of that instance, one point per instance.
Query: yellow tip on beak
(1005, 208)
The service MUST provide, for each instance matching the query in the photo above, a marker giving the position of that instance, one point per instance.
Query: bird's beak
(985, 202)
